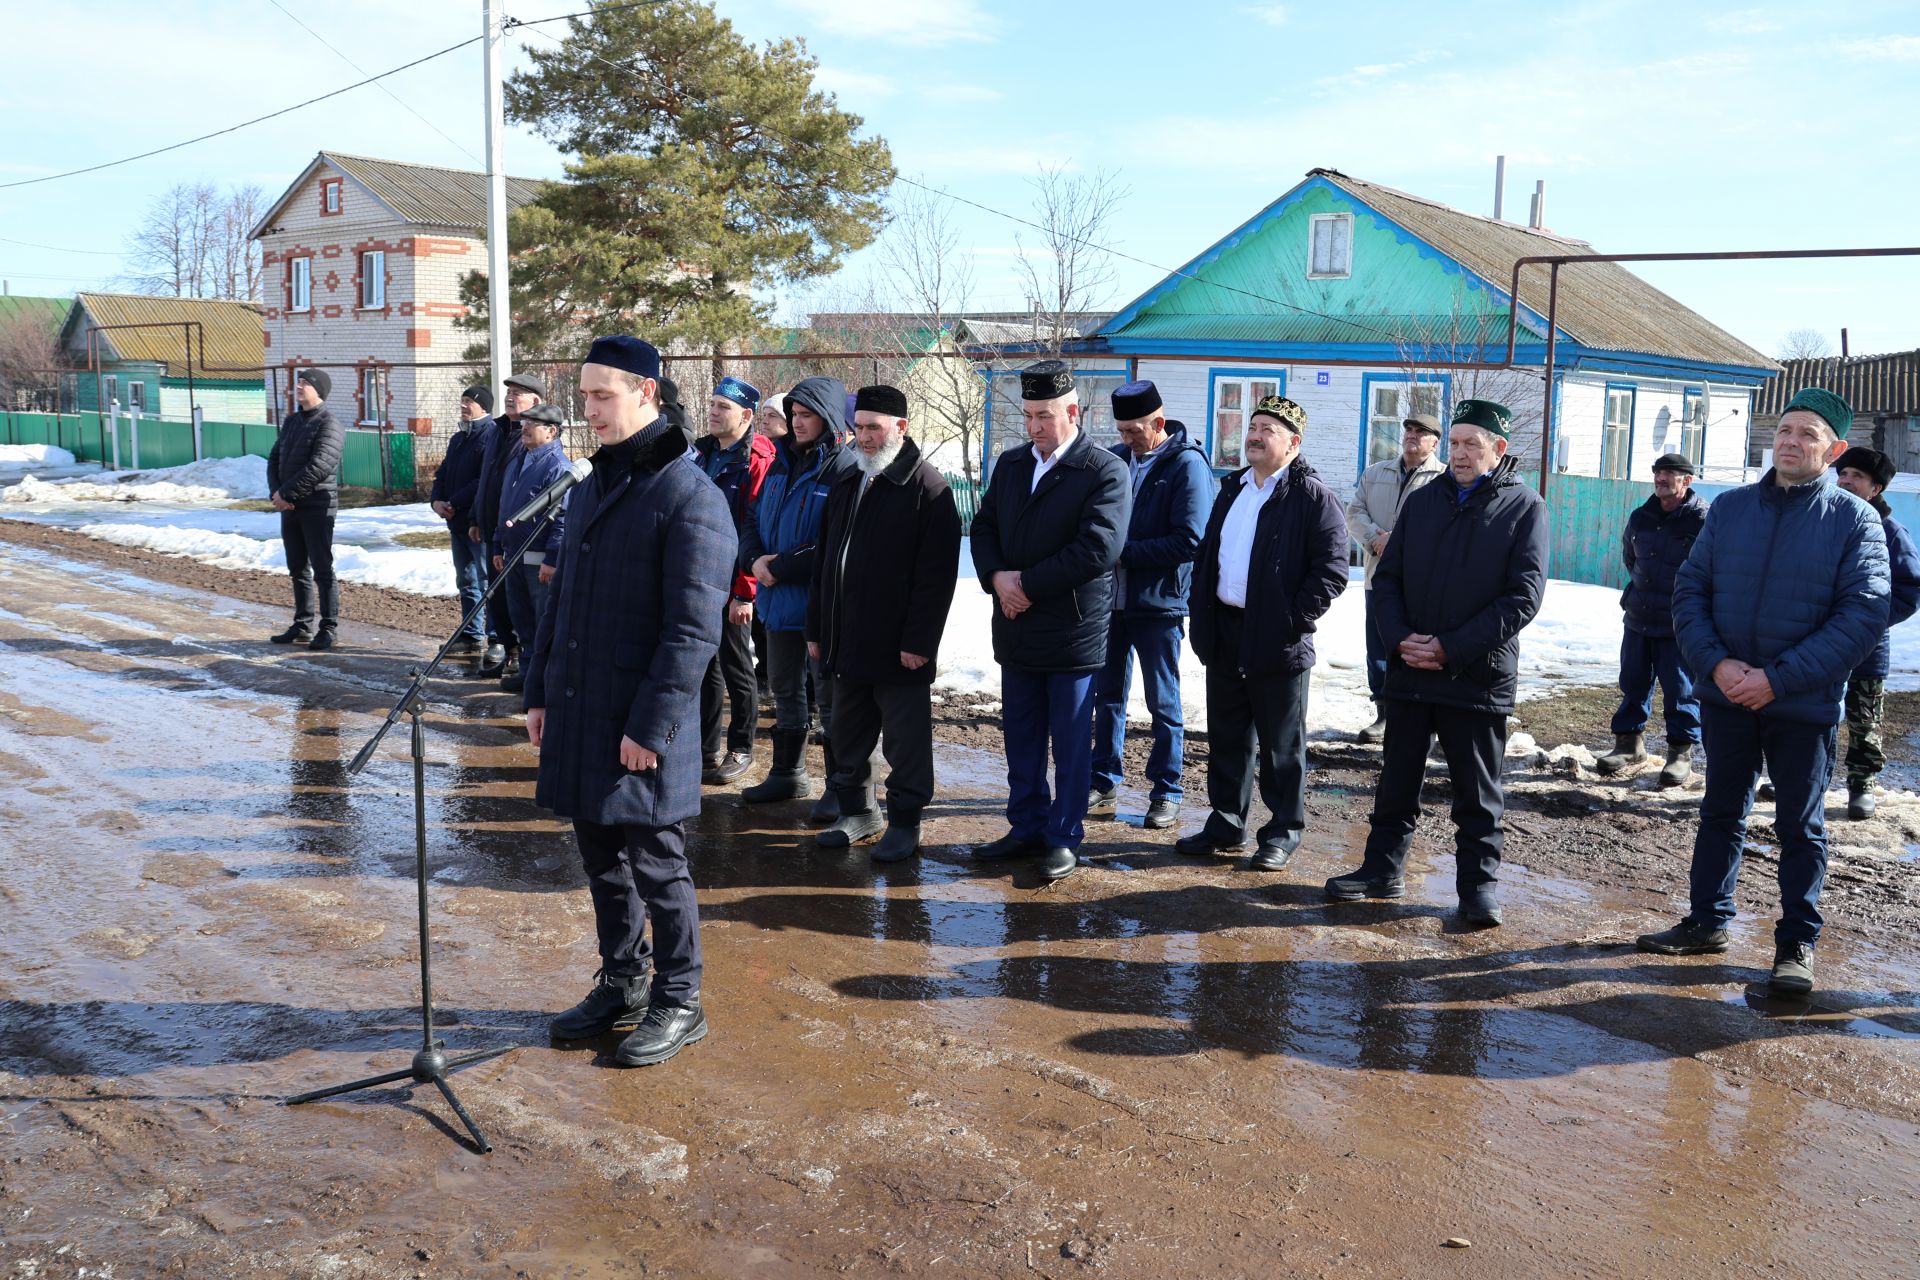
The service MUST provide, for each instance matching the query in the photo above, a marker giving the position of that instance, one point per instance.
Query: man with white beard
(883, 581)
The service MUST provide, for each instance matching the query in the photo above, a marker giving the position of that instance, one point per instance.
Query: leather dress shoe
(730, 767)
(498, 659)
(615, 1004)
(1057, 863)
(1011, 846)
(1202, 845)
(1274, 854)
(1161, 814)
(1103, 804)
(664, 1031)
(1364, 883)
(295, 634)
(1479, 909)
(901, 842)
(853, 828)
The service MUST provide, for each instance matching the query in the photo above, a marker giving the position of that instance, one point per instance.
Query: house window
(137, 396)
(1389, 405)
(1693, 426)
(1234, 397)
(330, 196)
(300, 284)
(1330, 249)
(110, 388)
(373, 396)
(373, 279)
(1616, 438)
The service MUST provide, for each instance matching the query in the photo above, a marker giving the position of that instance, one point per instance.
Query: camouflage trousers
(1866, 706)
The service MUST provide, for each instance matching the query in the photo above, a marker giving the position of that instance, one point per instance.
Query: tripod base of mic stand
(430, 1066)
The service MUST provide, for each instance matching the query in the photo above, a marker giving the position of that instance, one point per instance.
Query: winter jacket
(631, 623)
(1375, 506)
(457, 479)
(304, 464)
(497, 447)
(1064, 537)
(1903, 564)
(1791, 580)
(1163, 534)
(785, 522)
(884, 579)
(1654, 545)
(1297, 567)
(528, 471)
(740, 482)
(1469, 574)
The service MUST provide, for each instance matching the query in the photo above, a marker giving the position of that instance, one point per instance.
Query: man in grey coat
(1372, 512)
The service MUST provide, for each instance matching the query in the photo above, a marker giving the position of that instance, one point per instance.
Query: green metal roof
(1457, 331)
(50, 313)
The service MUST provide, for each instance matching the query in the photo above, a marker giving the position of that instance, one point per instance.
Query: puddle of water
(1806, 1013)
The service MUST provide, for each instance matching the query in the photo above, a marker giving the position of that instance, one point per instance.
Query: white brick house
(363, 261)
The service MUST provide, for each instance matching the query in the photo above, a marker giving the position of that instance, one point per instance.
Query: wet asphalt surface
(1156, 1067)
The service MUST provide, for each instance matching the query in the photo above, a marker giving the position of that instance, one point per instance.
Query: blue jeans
(1642, 659)
(1376, 651)
(470, 574)
(1038, 708)
(526, 600)
(1157, 641)
(1800, 759)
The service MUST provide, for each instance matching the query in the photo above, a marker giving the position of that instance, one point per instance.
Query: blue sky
(1657, 126)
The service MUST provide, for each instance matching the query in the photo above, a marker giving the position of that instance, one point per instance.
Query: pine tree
(706, 168)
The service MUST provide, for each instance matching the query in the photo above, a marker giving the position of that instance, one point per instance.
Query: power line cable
(55, 248)
(362, 70)
(234, 128)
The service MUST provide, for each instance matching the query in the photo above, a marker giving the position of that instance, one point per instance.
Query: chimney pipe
(1843, 344)
(1539, 222)
(1499, 186)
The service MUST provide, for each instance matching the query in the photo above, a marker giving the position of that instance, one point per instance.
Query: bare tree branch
(1805, 344)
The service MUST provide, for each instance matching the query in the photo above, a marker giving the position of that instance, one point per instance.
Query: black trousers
(308, 539)
(635, 873)
(730, 687)
(1256, 727)
(898, 718)
(1475, 744)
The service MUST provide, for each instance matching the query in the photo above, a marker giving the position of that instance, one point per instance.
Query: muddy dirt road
(1154, 1068)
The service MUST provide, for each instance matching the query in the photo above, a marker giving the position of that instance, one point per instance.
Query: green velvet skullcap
(1486, 414)
(1834, 411)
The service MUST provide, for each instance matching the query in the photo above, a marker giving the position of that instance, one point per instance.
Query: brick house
(363, 261)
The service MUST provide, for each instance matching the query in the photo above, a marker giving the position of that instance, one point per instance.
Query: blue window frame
(1387, 400)
(1231, 395)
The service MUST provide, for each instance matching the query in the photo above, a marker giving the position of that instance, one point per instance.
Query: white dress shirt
(1236, 537)
(1043, 465)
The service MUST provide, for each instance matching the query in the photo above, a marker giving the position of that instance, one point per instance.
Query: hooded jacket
(785, 522)
(1169, 518)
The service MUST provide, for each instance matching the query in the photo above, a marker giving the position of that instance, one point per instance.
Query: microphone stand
(431, 1065)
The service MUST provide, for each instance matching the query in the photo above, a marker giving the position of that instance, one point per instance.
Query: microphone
(573, 475)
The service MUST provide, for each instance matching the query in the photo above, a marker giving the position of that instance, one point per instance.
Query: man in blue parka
(537, 463)
(777, 547)
(1865, 473)
(1172, 492)
(1785, 593)
(614, 674)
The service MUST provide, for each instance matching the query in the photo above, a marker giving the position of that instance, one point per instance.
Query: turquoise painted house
(1342, 295)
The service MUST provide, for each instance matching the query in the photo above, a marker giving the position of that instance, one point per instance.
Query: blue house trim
(1216, 373)
(1366, 407)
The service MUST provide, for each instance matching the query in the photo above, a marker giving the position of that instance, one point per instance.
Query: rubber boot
(1628, 749)
(826, 810)
(1860, 801)
(788, 779)
(1679, 764)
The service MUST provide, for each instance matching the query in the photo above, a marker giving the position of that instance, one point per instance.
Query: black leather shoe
(1274, 854)
(1687, 938)
(494, 669)
(1058, 863)
(730, 767)
(1103, 804)
(1161, 814)
(1792, 968)
(1202, 845)
(664, 1031)
(1356, 885)
(614, 1004)
(901, 842)
(1479, 909)
(324, 638)
(292, 635)
(853, 828)
(1011, 846)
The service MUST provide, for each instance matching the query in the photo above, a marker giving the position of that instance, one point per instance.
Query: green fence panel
(163, 444)
(236, 439)
(1586, 516)
(966, 496)
(360, 460)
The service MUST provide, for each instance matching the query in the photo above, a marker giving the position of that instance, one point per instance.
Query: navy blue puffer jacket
(1791, 580)
(1903, 559)
(1654, 545)
(1170, 507)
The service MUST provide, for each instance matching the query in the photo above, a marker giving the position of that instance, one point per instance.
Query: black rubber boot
(826, 810)
(1860, 801)
(788, 779)
(1679, 764)
(1628, 749)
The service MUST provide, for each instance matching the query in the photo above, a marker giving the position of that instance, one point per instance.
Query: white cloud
(853, 84)
(912, 22)
(1883, 48)
(1273, 15)
(1745, 22)
(1368, 73)
(961, 93)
